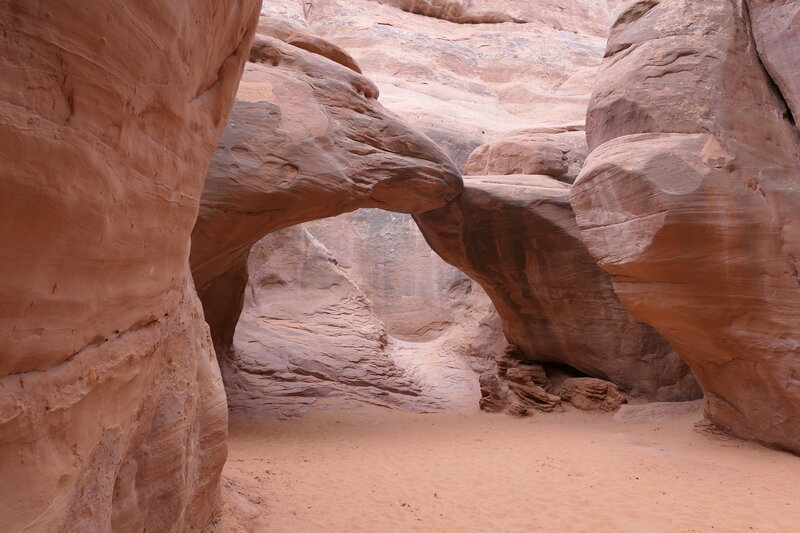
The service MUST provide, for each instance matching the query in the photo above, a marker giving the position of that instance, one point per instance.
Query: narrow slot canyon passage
(346, 432)
(363, 369)
(435, 266)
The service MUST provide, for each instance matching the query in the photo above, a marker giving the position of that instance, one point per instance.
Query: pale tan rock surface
(112, 412)
(559, 154)
(691, 199)
(517, 236)
(465, 84)
(416, 294)
(307, 140)
(312, 335)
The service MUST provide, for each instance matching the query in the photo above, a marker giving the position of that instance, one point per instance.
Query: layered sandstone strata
(467, 72)
(690, 198)
(112, 412)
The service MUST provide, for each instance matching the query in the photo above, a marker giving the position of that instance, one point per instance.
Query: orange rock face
(112, 413)
(690, 198)
(307, 140)
(517, 236)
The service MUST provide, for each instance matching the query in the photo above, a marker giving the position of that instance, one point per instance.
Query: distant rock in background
(331, 321)
(467, 72)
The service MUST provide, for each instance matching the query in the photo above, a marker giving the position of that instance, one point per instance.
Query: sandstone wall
(464, 83)
(112, 412)
(690, 197)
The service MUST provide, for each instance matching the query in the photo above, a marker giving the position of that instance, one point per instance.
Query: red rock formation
(112, 413)
(307, 140)
(559, 154)
(312, 332)
(517, 237)
(591, 394)
(465, 83)
(690, 199)
(776, 30)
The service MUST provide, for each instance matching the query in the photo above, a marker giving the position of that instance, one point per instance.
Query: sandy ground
(378, 470)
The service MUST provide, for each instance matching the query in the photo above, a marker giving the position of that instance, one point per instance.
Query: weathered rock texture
(466, 72)
(112, 413)
(307, 140)
(517, 236)
(525, 67)
(690, 198)
(591, 394)
(318, 327)
(559, 154)
(776, 28)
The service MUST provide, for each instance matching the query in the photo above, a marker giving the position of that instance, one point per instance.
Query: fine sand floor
(377, 470)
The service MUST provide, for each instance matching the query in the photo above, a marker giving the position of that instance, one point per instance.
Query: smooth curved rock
(517, 236)
(112, 412)
(316, 332)
(691, 201)
(307, 140)
(558, 154)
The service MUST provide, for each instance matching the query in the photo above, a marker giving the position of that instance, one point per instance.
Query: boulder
(112, 412)
(690, 199)
(517, 388)
(559, 155)
(494, 393)
(591, 394)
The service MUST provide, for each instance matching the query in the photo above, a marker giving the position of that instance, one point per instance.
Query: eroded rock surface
(592, 394)
(112, 412)
(526, 64)
(318, 328)
(690, 198)
(776, 30)
(307, 140)
(517, 236)
(558, 154)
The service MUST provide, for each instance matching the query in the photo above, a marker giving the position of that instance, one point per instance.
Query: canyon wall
(690, 196)
(112, 412)
(466, 72)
